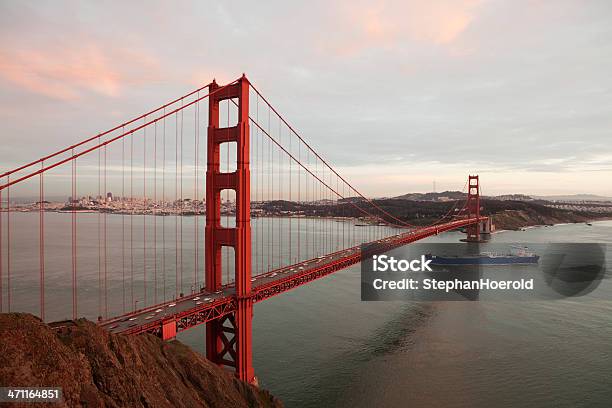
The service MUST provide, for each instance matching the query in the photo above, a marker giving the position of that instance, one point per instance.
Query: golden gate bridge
(253, 163)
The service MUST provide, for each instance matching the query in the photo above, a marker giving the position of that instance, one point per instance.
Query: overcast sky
(394, 93)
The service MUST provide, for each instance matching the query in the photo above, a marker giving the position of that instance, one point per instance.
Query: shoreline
(528, 227)
(507, 221)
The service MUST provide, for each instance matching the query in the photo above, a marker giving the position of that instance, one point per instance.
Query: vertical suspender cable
(123, 216)
(74, 239)
(42, 243)
(99, 199)
(105, 198)
(1, 259)
(144, 213)
(132, 300)
(227, 193)
(309, 207)
(182, 200)
(270, 239)
(176, 198)
(317, 191)
(262, 198)
(164, 207)
(195, 194)
(8, 245)
(155, 215)
(290, 202)
(299, 221)
(280, 197)
(337, 213)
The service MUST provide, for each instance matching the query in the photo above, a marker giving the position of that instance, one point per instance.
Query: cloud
(66, 72)
(391, 24)
(370, 84)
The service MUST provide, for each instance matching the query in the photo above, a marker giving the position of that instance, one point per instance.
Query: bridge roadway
(178, 315)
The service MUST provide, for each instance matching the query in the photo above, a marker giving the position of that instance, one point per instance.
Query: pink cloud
(388, 24)
(67, 73)
(442, 22)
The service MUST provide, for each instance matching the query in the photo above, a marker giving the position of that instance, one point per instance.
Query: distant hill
(428, 208)
(511, 197)
(458, 195)
(575, 197)
(443, 196)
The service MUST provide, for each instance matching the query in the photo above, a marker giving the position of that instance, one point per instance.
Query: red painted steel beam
(185, 319)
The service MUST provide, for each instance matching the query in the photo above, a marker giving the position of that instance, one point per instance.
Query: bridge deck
(204, 306)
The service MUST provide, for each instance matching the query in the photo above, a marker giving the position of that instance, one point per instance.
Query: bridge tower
(229, 338)
(473, 209)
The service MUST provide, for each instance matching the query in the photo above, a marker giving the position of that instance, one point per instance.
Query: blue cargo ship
(523, 257)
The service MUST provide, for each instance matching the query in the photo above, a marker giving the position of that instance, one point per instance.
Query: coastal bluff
(95, 368)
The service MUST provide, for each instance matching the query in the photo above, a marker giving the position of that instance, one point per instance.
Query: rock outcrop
(99, 369)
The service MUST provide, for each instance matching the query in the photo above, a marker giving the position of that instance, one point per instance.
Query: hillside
(512, 215)
(575, 197)
(507, 214)
(99, 369)
(445, 195)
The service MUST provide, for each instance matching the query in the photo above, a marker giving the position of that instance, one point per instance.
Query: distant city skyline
(395, 94)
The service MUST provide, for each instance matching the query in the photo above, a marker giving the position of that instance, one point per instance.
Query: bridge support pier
(485, 228)
(229, 338)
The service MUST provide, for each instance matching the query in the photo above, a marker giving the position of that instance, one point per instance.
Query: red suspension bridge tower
(473, 209)
(229, 338)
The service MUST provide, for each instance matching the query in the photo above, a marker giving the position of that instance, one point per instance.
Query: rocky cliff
(99, 369)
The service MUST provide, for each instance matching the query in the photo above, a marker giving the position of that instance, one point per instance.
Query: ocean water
(320, 346)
